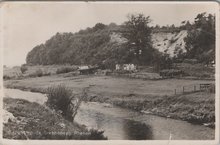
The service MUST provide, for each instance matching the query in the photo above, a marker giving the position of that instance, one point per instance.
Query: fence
(193, 88)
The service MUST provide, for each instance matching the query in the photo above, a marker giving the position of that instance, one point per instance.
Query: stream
(124, 124)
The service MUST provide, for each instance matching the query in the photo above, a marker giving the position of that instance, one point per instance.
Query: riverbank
(30, 120)
(196, 108)
(150, 97)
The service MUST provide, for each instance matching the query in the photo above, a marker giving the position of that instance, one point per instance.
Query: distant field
(107, 85)
(47, 69)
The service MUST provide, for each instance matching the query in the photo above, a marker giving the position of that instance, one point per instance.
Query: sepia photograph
(110, 71)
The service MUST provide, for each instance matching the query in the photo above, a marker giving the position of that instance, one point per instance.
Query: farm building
(85, 70)
(128, 67)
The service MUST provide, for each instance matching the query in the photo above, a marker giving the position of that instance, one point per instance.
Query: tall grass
(75, 104)
(61, 99)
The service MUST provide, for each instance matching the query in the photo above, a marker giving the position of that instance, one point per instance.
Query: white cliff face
(163, 41)
(169, 41)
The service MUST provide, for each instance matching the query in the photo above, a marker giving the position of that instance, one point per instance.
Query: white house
(128, 67)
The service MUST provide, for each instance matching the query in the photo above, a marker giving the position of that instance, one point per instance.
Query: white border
(125, 142)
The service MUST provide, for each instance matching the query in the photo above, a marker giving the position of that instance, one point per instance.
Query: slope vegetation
(96, 46)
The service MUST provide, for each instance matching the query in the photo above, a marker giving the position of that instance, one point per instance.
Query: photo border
(119, 142)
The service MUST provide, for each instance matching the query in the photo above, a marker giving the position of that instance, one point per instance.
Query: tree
(188, 26)
(200, 41)
(99, 26)
(157, 26)
(23, 68)
(138, 34)
(185, 25)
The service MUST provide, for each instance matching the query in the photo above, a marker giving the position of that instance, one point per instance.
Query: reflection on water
(114, 126)
(123, 124)
(137, 131)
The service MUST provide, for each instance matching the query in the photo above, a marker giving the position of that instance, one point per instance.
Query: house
(128, 67)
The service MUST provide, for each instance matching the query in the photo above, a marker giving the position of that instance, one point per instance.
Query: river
(124, 124)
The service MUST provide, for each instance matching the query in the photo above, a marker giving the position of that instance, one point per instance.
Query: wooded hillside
(132, 42)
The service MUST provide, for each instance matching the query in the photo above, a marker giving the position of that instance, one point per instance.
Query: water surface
(124, 124)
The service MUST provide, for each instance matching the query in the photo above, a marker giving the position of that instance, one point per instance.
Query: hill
(112, 44)
(90, 46)
(95, 46)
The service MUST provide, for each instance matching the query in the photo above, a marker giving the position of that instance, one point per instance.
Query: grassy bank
(198, 107)
(34, 121)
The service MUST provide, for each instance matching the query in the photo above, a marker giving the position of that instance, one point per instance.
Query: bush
(23, 69)
(6, 77)
(59, 98)
(65, 70)
(96, 135)
(37, 73)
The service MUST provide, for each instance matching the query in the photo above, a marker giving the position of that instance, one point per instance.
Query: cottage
(128, 67)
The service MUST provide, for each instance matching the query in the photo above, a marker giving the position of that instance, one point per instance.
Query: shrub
(59, 98)
(96, 135)
(64, 70)
(37, 73)
(6, 77)
(23, 69)
(74, 104)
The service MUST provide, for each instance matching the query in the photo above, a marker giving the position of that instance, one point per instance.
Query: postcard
(121, 72)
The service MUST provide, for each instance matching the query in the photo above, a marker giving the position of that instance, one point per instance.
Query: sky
(27, 24)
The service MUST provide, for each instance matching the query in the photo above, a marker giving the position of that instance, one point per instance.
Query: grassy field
(107, 85)
(34, 121)
(32, 71)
